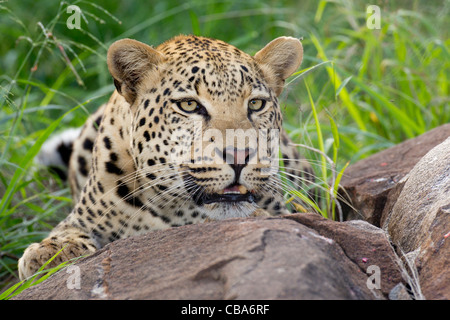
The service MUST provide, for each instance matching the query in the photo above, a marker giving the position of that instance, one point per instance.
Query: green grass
(359, 90)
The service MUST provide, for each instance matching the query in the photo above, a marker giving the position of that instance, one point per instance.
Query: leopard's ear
(279, 59)
(130, 62)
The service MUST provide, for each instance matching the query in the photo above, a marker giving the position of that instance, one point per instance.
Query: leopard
(154, 156)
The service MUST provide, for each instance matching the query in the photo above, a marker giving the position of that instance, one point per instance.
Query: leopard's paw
(37, 254)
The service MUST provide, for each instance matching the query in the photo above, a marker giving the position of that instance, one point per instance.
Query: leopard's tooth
(220, 192)
(242, 189)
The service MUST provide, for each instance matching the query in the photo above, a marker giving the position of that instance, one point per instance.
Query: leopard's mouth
(232, 194)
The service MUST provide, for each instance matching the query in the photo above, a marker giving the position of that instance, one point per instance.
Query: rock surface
(406, 189)
(420, 220)
(369, 181)
(363, 243)
(301, 256)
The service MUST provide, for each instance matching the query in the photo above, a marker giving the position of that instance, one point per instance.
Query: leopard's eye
(188, 106)
(256, 104)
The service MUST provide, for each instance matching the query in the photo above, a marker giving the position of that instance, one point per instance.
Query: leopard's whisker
(130, 195)
(139, 210)
(155, 199)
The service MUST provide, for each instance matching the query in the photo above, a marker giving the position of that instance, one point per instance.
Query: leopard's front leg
(75, 242)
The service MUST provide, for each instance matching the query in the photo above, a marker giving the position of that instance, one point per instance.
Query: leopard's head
(206, 117)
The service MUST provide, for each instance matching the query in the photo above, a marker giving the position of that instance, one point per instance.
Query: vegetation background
(359, 90)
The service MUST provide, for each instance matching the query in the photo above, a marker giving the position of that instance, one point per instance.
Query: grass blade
(27, 161)
(345, 97)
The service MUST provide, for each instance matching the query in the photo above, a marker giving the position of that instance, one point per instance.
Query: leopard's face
(206, 118)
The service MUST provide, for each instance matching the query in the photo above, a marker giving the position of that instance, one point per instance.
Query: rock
(420, 220)
(369, 181)
(433, 261)
(253, 258)
(399, 292)
(363, 243)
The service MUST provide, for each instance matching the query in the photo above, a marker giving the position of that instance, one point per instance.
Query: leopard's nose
(238, 159)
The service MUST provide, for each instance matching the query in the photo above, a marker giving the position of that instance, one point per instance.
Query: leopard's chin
(227, 210)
